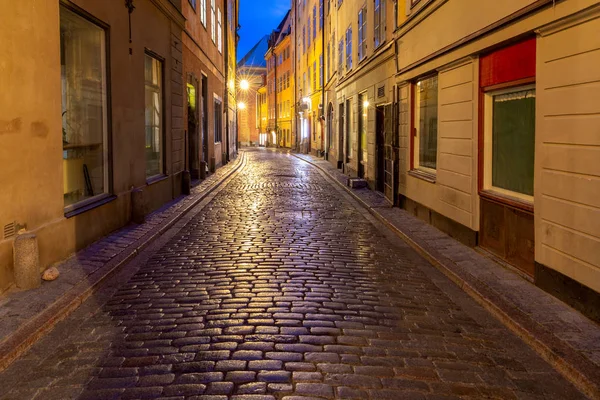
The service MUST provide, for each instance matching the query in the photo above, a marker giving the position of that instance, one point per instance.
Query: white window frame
(417, 132)
(220, 31)
(488, 142)
(213, 22)
(203, 12)
(349, 48)
(362, 34)
(379, 23)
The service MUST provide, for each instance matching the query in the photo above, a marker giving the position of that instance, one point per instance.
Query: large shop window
(425, 124)
(154, 116)
(84, 109)
(510, 142)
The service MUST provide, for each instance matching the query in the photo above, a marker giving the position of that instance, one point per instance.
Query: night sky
(259, 18)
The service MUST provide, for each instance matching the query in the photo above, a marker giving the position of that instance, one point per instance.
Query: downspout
(276, 105)
(322, 81)
(226, 94)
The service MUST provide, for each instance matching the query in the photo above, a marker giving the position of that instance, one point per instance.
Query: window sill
(88, 204)
(156, 178)
(507, 200)
(424, 175)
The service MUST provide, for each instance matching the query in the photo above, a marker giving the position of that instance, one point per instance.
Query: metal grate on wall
(381, 91)
(9, 230)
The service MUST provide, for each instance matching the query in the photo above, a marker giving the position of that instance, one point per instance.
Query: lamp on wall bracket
(130, 7)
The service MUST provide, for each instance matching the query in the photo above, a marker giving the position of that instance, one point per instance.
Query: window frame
(107, 196)
(362, 34)
(487, 189)
(213, 22)
(219, 120)
(203, 13)
(219, 30)
(163, 132)
(349, 49)
(379, 23)
(416, 169)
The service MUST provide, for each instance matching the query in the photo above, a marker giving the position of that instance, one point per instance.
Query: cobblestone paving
(280, 288)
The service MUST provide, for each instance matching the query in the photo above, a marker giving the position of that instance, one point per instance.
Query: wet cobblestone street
(282, 288)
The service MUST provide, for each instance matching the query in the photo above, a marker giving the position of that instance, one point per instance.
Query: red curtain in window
(508, 64)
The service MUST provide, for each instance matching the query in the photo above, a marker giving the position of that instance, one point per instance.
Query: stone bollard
(186, 182)
(138, 206)
(203, 169)
(26, 261)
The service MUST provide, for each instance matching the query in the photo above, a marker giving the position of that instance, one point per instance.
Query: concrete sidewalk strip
(562, 336)
(26, 316)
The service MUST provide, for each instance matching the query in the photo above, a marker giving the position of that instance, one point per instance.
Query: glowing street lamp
(244, 84)
(242, 105)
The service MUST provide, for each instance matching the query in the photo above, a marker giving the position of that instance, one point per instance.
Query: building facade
(478, 118)
(280, 84)
(262, 111)
(136, 93)
(360, 99)
(251, 74)
(498, 114)
(209, 41)
(310, 97)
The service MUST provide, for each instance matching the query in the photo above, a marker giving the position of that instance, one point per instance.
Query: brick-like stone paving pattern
(281, 288)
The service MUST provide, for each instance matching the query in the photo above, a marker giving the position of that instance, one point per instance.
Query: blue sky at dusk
(258, 18)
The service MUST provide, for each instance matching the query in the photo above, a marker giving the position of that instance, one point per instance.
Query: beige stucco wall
(567, 187)
(454, 192)
(31, 126)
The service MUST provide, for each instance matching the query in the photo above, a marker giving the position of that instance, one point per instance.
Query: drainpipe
(322, 81)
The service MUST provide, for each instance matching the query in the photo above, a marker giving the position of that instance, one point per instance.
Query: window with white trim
(379, 26)
(213, 22)
(154, 116)
(425, 124)
(349, 49)
(362, 33)
(203, 12)
(219, 32)
(509, 142)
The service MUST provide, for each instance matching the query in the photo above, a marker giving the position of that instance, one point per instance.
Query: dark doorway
(380, 148)
(347, 127)
(204, 119)
(192, 128)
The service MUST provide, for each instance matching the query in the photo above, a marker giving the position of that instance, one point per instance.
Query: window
(315, 87)
(349, 49)
(362, 33)
(193, 4)
(340, 56)
(308, 34)
(154, 116)
(220, 32)
(213, 21)
(84, 108)
(379, 26)
(320, 14)
(509, 143)
(425, 124)
(314, 22)
(303, 40)
(304, 83)
(203, 12)
(218, 123)
(363, 105)
(328, 60)
(339, 2)
(321, 70)
(309, 75)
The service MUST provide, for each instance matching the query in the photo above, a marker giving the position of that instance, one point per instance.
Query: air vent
(381, 91)
(9, 230)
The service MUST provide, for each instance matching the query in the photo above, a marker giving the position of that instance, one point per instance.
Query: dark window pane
(427, 94)
(513, 141)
